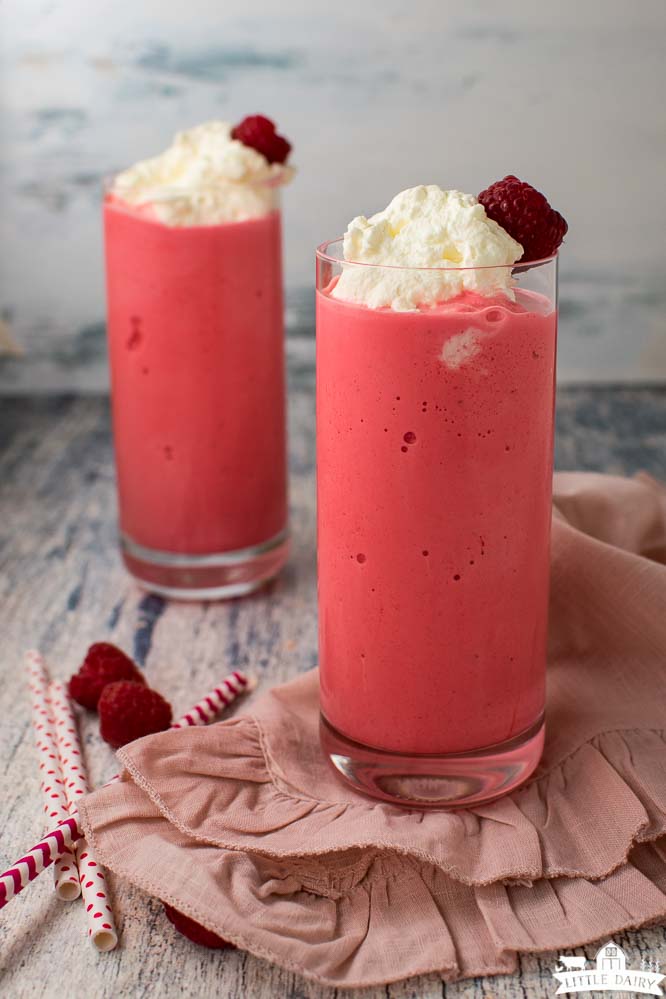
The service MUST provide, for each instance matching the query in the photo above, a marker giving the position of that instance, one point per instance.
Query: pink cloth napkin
(243, 827)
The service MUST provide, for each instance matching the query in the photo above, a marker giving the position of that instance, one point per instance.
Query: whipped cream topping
(205, 177)
(430, 228)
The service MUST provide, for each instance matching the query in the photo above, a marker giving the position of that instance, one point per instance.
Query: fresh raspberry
(259, 133)
(103, 664)
(195, 932)
(526, 215)
(129, 710)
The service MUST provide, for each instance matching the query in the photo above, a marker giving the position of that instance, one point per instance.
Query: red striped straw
(216, 701)
(55, 843)
(59, 840)
(52, 783)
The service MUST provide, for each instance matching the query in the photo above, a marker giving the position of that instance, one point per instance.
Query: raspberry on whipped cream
(205, 177)
(260, 133)
(525, 213)
(446, 233)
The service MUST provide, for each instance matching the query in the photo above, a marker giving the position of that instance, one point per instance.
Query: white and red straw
(67, 832)
(55, 843)
(52, 784)
(219, 698)
(102, 931)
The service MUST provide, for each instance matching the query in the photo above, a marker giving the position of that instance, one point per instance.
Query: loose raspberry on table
(104, 663)
(194, 931)
(526, 215)
(128, 710)
(259, 133)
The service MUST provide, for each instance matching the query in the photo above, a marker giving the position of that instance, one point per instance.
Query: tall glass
(434, 470)
(195, 329)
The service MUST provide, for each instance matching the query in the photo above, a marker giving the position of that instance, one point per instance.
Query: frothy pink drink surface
(434, 472)
(197, 359)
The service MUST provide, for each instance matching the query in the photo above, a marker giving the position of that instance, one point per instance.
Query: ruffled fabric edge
(560, 825)
(369, 917)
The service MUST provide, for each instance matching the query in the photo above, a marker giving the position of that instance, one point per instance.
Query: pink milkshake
(434, 468)
(195, 324)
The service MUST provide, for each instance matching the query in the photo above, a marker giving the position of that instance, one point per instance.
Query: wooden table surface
(62, 587)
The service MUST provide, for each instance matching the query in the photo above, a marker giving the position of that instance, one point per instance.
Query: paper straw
(61, 839)
(65, 869)
(217, 700)
(99, 913)
(52, 785)
(55, 843)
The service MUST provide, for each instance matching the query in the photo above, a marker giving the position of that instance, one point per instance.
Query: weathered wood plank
(62, 586)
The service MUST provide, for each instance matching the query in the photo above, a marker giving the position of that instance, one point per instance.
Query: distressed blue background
(376, 97)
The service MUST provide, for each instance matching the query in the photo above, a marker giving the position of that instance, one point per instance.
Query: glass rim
(322, 253)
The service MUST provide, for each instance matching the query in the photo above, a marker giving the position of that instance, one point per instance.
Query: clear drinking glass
(196, 342)
(434, 472)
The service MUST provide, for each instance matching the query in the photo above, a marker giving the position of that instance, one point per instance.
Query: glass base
(205, 577)
(457, 780)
